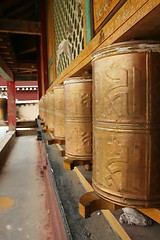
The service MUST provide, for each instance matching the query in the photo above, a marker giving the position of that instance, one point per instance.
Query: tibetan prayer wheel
(78, 118)
(59, 112)
(3, 109)
(47, 109)
(126, 123)
(41, 108)
(51, 110)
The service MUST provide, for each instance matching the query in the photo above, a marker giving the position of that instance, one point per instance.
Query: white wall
(27, 111)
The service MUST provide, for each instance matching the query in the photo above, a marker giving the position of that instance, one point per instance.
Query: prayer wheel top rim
(127, 47)
(77, 80)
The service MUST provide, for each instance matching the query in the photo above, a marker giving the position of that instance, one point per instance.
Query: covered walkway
(24, 205)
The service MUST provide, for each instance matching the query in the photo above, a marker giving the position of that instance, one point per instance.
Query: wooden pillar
(39, 75)
(88, 21)
(44, 63)
(11, 106)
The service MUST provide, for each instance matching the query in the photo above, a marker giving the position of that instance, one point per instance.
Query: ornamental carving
(102, 9)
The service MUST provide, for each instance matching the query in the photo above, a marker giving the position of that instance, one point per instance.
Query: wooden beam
(7, 3)
(5, 72)
(20, 26)
(20, 10)
(153, 213)
(21, 66)
(29, 50)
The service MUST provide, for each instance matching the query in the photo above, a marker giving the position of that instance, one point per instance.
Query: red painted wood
(56, 220)
(39, 69)
(44, 63)
(11, 104)
(26, 95)
(3, 82)
(25, 83)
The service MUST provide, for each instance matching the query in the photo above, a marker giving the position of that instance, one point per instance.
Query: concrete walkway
(24, 213)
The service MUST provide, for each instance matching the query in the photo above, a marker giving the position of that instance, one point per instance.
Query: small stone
(133, 217)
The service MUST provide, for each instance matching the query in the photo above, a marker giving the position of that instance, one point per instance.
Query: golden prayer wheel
(45, 112)
(51, 110)
(47, 106)
(78, 118)
(41, 108)
(3, 109)
(59, 112)
(126, 123)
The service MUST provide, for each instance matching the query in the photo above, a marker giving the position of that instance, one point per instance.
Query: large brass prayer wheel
(44, 108)
(51, 110)
(126, 123)
(47, 113)
(3, 109)
(41, 108)
(59, 112)
(78, 118)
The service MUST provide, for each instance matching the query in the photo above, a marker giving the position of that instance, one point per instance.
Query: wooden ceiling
(19, 34)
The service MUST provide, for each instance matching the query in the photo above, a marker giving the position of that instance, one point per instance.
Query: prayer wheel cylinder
(51, 110)
(78, 118)
(59, 112)
(45, 109)
(126, 123)
(3, 109)
(41, 108)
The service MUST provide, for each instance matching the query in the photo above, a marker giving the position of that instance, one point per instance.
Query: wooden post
(39, 67)
(11, 106)
(44, 64)
(88, 22)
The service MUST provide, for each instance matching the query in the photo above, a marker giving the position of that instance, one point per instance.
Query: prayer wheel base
(69, 164)
(55, 141)
(61, 149)
(91, 202)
